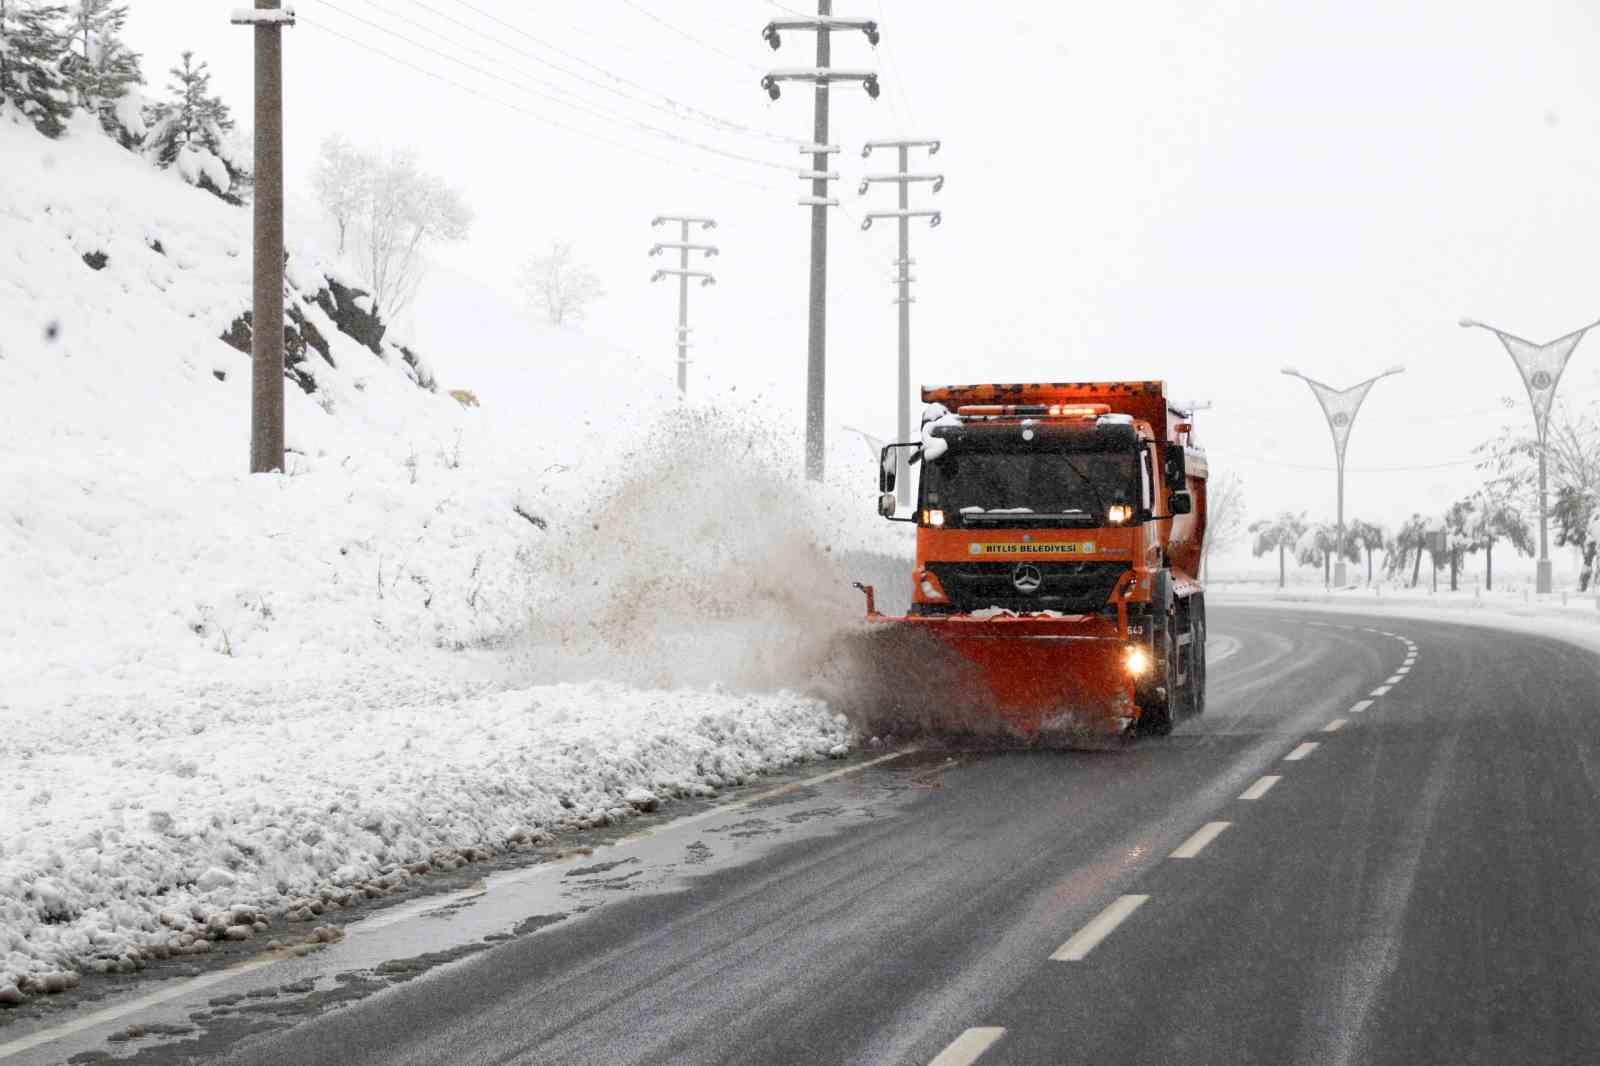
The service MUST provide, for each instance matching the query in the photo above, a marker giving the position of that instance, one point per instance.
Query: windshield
(1007, 487)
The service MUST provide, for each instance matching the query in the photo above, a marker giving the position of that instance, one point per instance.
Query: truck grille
(1071, 588)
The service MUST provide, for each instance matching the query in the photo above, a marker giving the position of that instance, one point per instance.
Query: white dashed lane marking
(1203, 836)
(966, 1048)
(1381, 690)
(1363, 705)
(1392, 680)
(1403, 671)
(1259, 789)
(1301, 752)
(1336, 725)
(1105, 923)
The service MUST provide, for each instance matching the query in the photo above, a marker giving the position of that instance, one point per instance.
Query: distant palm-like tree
(1318, 546)
(1369, 537)
(1409, 542)
(1282, 533)
(1486, 518)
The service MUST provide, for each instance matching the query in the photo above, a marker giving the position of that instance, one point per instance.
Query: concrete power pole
(822, 76)
(266, 316)
(903, 178)
(683, 273)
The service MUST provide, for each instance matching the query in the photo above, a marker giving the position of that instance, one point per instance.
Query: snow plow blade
(1010, 677)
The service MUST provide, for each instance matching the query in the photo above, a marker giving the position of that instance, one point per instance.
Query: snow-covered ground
(1568, 616)
(445, 628)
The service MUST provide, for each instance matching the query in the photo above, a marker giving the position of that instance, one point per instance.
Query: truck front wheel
(1155, 707)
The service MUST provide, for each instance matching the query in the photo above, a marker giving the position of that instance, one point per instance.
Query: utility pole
(683, 273)
(903, 178)
(1340, 406)
(822, 76)
(1541, 366)
(266, 316)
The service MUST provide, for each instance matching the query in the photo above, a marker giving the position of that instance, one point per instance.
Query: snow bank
(1573, 618)
(153, 825)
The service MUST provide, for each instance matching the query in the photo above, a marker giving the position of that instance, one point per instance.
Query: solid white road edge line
(1085, 939)
(1336, 725)
(966, 1048)
(1259, 789)
(1381, 690)
(1363, 705)
(1203, 836)
(174, 990)
(1301, 752)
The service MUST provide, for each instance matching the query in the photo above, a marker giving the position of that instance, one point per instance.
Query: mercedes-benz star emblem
(1026, 578)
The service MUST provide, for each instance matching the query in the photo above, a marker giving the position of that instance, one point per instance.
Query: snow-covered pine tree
(191, 131)
(32, 44)
(104, 70)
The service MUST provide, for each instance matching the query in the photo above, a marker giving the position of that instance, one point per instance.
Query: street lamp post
(1541, 366)
(1340, 407)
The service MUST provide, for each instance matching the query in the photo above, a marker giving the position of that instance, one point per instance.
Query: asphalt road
(1420, 886)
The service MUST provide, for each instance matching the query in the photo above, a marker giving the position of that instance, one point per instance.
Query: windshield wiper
(1099, 501)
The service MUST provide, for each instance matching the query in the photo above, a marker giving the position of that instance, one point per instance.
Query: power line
(545, 119)
(897, 86)
(704, 115)
(686, 35)
(587, 109)
(1236, 457)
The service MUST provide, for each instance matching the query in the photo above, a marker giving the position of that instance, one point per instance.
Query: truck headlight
(1119, 513)
(933, 517)
(1137, 660)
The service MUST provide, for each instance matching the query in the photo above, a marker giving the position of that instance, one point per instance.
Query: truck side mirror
(888, 475)
(1180, 502)
(1173, 468)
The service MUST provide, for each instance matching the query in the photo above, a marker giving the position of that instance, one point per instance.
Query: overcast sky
(1202, 193)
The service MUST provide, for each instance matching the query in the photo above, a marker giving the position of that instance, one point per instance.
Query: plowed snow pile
(228, 698)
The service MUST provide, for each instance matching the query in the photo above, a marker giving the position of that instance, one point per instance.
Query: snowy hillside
(138, 542)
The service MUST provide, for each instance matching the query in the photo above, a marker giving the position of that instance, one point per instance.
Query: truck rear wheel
(1197, 659)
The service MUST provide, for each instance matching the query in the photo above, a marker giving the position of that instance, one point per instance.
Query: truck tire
(1156, 717)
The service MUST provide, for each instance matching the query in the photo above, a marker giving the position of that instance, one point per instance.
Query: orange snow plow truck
(1059, 535)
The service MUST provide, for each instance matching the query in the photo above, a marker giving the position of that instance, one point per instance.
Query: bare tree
(1225, 515)
(343, 178)
(406, 212)
(558, 287)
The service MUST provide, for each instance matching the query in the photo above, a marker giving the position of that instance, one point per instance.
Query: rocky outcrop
(352, 312)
